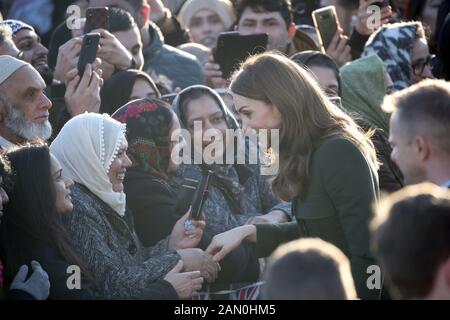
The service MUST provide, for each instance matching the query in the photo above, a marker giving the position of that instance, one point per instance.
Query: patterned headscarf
(148, 126)
(393, 44)
(16, 25)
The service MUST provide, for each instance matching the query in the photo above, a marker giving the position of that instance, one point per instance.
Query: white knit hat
(9, 65)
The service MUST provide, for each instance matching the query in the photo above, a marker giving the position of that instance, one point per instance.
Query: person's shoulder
(84, 201)
(180, 55)
(337, 146)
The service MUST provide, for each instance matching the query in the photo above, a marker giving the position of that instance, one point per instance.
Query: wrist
(249, 233)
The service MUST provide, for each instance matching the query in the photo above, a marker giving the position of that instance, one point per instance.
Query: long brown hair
(308, 117)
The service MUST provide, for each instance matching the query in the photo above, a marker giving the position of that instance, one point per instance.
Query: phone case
(97, 18)
(326, 23)
(233, 48)
(88, 51)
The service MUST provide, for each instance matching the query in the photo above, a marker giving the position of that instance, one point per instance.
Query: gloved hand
(37, 285)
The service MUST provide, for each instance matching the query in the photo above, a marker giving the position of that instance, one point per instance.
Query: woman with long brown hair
(327, 165)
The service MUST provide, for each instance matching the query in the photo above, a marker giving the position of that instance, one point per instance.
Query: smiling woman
(32, 229)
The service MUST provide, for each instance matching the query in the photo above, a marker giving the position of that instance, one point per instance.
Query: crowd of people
(91, 195)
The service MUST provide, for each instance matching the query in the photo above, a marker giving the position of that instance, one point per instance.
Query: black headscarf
(117, 90)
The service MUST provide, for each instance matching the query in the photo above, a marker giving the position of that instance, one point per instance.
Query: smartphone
(233, 48)
(97, 18)
(200, 195)
(326, 24)
(193, 193)
(88, 51)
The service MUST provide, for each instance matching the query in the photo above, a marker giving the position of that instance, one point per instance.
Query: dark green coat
(337, 208)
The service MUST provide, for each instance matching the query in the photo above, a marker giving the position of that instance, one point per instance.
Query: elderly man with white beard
(24, 108)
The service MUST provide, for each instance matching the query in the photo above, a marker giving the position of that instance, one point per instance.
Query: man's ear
(422, 148)
(291, 31)
(144, 14)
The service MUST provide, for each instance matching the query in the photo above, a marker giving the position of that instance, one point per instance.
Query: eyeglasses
(419, 66)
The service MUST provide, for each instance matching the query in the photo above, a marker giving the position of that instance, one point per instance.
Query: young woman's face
(142, 89)
(327, 80)
(62, 187)
(420, 61)
(256, 114)
(205, 27)
(116, 173)
(206, 111)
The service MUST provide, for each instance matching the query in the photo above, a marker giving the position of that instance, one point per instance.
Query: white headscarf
(86, 147)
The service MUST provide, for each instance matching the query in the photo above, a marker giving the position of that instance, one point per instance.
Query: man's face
(131, 40)
(205, 27)
(271, 23)
(404, 152)
(34, 52)
(27, 111)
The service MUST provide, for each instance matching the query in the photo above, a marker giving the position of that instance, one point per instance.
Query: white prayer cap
(9, 65)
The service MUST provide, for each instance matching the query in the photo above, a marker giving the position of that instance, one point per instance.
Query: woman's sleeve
(269, 236)
(116, 278)
(268, 199)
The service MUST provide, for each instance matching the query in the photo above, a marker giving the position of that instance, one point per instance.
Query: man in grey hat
(24, 108)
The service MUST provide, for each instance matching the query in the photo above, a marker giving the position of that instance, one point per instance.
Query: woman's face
(116, 173)
(256, 114)
(62, 187)
(142, 89)
(327, 80)
(206, 111)
(205, 27)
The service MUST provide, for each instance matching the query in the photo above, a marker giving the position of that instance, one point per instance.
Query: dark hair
(433, 117)
(117, 90)
(317, 59)
(308, 269)
(349, 4)
(412, 238)
(32, 200)
(120, 20)
(281, 6)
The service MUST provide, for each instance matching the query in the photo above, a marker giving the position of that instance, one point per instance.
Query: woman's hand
(223, 243)
(186, 283)
(180, 238)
